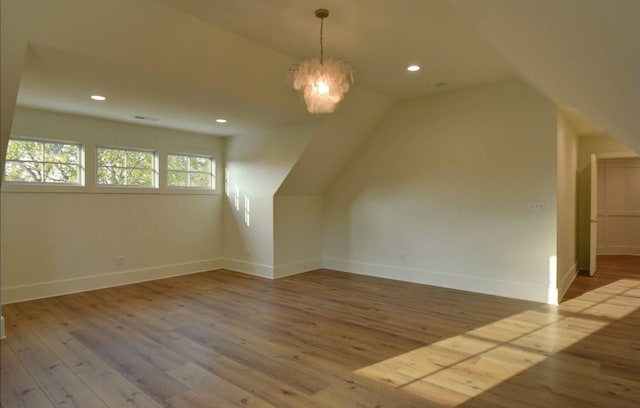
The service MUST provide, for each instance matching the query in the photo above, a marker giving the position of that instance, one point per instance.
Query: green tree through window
(42, 162)
(125, 167)
(190, 171)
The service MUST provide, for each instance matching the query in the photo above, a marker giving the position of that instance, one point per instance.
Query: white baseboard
(461, 282)
(567, 280)
(13, 294)
(41, 290)
(620, 250)
(250, 268)
(518, 290)
(2, 335)
(294, 268)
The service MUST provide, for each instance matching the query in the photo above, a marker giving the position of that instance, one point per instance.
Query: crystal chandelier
(324, 81)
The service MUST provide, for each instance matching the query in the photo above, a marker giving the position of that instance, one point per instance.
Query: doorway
(614, 206)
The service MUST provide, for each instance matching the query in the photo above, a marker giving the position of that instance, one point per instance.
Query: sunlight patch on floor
(456, 369)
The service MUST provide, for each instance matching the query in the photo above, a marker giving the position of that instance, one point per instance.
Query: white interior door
(593, 242)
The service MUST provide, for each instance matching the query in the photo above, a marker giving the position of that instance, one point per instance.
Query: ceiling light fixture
(98, 98)
(221, 120)
(324, 81)
(413, 68)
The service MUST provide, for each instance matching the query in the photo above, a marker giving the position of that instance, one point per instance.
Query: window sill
(46, 189)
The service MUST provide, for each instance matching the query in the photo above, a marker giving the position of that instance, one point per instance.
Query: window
(226, 181)
(43, 162)
(125, 167)
(190, 171)
(247, 211)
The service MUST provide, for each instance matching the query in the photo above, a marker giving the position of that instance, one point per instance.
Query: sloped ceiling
(189, 62)
(583, 54)
(379, 37)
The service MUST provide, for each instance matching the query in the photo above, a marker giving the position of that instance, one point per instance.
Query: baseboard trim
(618, 251)
(294, 268)
(250, 268)
(460, 282)
(567, 280)
(41, 290)
(14, 294)
(517, 290)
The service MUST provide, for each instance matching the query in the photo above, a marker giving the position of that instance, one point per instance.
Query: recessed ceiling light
(413, 68)
(221, 120)
(98, 97)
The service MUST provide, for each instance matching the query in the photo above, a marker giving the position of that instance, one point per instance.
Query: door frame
(593, 212)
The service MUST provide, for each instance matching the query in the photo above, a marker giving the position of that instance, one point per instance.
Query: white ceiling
(379, 37)
(62, 82)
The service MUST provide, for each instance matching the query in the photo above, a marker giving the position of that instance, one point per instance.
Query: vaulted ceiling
(189, 62)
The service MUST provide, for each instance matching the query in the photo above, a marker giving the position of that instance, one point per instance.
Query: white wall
(65, 239)
(257, 164)
(619, 206)
(567, 258)
(439, 194)
(297, 234)
(588, 145)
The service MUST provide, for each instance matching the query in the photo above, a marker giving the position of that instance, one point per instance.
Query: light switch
(536, 206)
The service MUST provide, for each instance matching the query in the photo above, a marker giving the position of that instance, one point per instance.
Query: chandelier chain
(321, 44)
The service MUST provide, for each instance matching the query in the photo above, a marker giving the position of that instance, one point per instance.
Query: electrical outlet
(403, 258)
(120, 260)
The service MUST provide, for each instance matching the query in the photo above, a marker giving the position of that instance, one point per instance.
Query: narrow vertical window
(226, 181)
(247, 211)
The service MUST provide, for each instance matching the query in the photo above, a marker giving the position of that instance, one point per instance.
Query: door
(593, 216)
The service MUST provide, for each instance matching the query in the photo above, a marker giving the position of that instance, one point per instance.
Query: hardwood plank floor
(325, 339)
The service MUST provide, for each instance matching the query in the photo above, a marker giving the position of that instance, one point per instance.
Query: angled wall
(299, 201)
(440, 194)
(580, 53)
(256, 165)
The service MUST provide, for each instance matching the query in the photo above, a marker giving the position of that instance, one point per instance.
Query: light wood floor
(325, 339)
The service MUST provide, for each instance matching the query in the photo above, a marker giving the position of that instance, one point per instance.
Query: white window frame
(212, 173)
(154, 169)
(80, 164)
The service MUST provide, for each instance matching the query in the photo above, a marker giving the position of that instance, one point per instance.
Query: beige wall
(567, 258)
(588, 145)
(440, 194)
(257, 165)
(66, 239)
(297, 234)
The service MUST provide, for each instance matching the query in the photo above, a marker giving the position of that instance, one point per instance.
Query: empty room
(295, 203)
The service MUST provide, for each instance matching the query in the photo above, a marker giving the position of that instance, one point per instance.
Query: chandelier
(322, 81)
